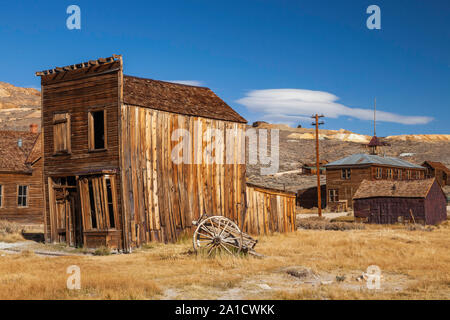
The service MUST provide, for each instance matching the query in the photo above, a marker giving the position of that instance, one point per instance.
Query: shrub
(317, 223)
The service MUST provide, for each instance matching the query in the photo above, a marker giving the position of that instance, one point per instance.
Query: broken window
(1, 195)
(22, 196)
(98, 199)
(61, 133)
(333, 195)
(97, 130)
(346, 174)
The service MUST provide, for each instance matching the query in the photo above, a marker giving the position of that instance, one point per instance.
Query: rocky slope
(19, 107)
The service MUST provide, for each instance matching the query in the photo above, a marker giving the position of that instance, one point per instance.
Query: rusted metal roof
(395, 189)
(82, 65)
(12, 157)
(367, 159)
(177, 98)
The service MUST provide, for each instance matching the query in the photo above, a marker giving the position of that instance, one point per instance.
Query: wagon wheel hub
(217, 240)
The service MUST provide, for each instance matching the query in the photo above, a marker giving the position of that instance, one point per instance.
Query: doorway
(67, 214)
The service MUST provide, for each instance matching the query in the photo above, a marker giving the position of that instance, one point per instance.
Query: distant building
(307, 198)
(345, 175)
(311, 168)
(439, 171)
(21, 195)
(388, 202)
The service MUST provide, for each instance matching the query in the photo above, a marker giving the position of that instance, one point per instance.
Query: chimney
(33, 128)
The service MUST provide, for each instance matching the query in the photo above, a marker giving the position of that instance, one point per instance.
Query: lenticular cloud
(298, 104)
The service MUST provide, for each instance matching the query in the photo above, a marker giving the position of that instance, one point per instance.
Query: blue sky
(272, 60)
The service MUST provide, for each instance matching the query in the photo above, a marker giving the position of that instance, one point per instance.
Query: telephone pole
(319, 196)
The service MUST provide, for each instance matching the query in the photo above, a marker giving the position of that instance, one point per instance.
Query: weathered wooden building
(345, 175)
(437, 170)
(311, 168)
(307, 198)
(269, 210)
(21, 194)
(388, 202)
(114, 172)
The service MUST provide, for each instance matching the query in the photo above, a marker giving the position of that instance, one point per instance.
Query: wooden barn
(389, 202)
(439, 171)
(111, 143)
(21, 194)
(345, 175)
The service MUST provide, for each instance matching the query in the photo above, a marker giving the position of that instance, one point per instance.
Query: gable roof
(392, 188)
(367, 159)
(12, 157)
(177, 98)
(437, 166)
(36, 151)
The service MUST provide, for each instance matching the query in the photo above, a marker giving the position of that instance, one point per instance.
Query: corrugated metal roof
(362, 159)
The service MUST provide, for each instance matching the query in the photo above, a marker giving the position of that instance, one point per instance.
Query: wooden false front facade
(109, 174)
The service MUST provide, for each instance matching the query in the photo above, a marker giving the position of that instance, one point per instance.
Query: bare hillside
(19, 107)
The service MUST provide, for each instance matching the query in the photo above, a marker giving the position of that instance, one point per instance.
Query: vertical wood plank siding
(269, 211)
(162, 198)
(76, 94)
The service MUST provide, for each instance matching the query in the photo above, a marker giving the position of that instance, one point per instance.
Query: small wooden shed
(388, 202)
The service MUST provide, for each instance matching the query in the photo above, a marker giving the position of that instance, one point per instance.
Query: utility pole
(375, 118)
(319, 196)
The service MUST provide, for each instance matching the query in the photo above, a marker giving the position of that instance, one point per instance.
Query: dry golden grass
(10, 231)
(415, 265)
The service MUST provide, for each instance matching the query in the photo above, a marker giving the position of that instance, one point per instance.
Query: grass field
(307, 264)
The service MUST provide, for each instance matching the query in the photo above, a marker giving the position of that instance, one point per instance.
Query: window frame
(1, 196)
(26, 196)
(333, 195)
(91, 129)
(68, 123)
(389, 173)
(378, 173)
(346, 174)
(399, 174)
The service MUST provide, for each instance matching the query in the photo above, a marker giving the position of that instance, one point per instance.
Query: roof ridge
(169, 82)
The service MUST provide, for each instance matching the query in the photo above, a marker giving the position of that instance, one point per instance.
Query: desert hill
(19, 107)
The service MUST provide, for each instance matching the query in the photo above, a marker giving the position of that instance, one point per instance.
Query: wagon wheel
(217, 234)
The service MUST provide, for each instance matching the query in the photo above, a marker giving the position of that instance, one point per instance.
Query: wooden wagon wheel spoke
(204, 228)
(206, 236)
(228, 223)
(224, 246)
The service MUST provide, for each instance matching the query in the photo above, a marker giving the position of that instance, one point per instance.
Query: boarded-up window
(333, 195)
(22, 196)
(97, 130)
(61, 133)
(1, 195)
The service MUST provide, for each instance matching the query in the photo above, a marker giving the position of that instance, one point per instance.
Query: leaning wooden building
(111, 174)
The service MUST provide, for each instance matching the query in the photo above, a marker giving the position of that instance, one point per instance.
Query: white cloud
(188, 82)
(295, 105)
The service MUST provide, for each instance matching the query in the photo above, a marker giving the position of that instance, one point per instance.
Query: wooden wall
(76, 93)
(269, 211)
(33, 213)
(347, 188)
(162, 198)
(435, 205)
